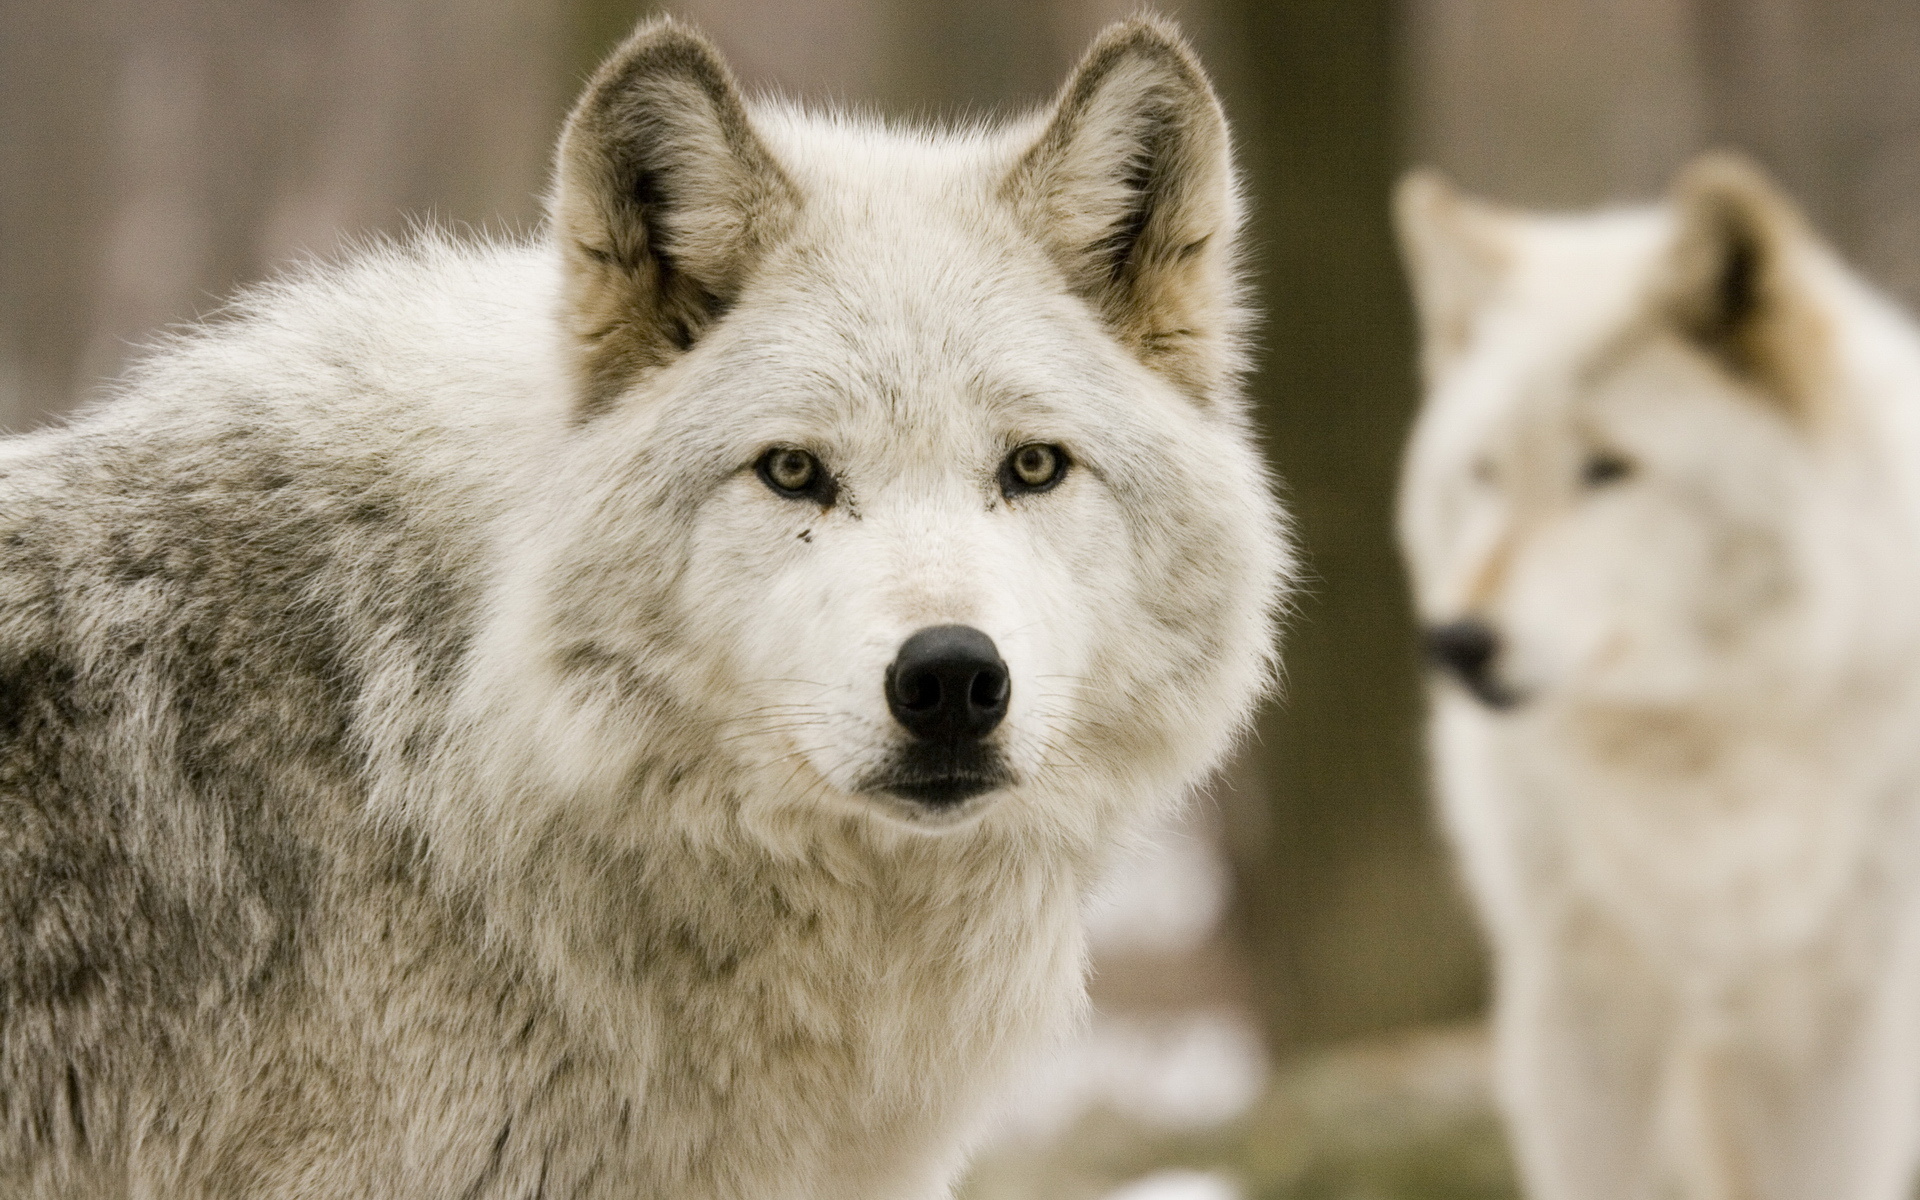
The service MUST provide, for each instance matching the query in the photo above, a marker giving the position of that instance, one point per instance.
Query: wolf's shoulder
(271, 497)
(401, 386)
(433, 337)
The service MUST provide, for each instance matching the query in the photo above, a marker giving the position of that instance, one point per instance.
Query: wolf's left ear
(1131, 187)
(1731, 284)
(664, 199)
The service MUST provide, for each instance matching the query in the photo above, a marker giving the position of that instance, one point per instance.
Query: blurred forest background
(1288, 987)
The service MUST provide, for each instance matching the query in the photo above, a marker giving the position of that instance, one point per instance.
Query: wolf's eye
(1034, 467)
(795, 474)
(1604, 467)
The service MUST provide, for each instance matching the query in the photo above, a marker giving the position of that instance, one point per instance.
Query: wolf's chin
(931, 819)
(941, 776)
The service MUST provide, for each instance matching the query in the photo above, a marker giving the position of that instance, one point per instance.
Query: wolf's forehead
(925, 261)
(898, 213)
(909, 294)
(1576, 283)
(851, 373)
(933, 329)
(1572, 310)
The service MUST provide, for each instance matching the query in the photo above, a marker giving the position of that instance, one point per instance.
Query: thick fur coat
(1662, 509)
(437, 760)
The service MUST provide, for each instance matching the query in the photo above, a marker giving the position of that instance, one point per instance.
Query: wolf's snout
(1468, 648)
(948, 684)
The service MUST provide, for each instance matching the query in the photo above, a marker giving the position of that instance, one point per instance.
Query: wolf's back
(197, 586)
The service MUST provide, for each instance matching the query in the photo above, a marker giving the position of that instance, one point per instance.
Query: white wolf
(632, 713)
(1662, 509)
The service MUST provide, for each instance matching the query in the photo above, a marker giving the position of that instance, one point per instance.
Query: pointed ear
(1131, 187)
(664, 198)
(1456, 251)
(1731, 283)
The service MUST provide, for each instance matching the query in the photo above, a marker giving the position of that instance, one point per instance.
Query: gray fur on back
(200, 583)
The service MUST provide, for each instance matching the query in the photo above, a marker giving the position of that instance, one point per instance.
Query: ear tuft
(1456, 250)
(664, 199)
(1731, 284)
(1131, 187)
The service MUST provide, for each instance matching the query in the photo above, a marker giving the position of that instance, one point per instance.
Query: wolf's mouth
(1494, 694)
(942, 775)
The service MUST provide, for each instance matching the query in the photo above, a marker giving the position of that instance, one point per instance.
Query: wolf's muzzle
(1467, 649)
(948, 688)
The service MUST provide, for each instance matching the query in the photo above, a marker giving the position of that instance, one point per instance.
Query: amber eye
(1034, 467)
(795, 474)
(1604, 467)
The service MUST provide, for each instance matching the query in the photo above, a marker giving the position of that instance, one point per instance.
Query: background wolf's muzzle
(1467, 649)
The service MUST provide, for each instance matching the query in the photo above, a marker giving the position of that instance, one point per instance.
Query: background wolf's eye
(1603, 467)
(1034, 467)
(796, 474)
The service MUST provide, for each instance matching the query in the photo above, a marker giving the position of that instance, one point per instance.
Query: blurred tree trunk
(1347, 908)
(1582, 102)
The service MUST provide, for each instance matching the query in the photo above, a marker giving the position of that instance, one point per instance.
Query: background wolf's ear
(1456, 251)
(1131, 187)
(1730, 283)
(664, 197)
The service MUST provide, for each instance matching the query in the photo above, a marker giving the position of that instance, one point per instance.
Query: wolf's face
(1616, 492)
(908, 474)
(923, 562)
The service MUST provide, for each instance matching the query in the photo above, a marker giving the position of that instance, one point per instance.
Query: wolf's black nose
(1467, 648)
(948, 684)
(1463, 647)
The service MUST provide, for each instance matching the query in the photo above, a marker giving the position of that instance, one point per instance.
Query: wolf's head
(1645, 473)
(907, 473)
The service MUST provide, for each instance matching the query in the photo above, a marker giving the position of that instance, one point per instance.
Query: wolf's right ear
(664, 198)
(1130, 185)
(1456, 250)
(1731, 285)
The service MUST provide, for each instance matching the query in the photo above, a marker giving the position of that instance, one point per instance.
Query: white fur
(1693, 839)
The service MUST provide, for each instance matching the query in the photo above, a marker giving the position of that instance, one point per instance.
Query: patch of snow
(1165, 900)
(1179, 1185)
(1188, 1070)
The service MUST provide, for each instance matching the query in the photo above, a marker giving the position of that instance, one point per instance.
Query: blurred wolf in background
(632, 713)
(1662, 509)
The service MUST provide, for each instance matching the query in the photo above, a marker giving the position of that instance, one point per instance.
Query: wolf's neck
(915, 982)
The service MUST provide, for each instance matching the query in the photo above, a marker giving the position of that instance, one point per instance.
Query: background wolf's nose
(1465, 647)
(948, 684)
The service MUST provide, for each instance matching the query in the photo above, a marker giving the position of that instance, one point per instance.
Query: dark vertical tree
(1347, 908)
